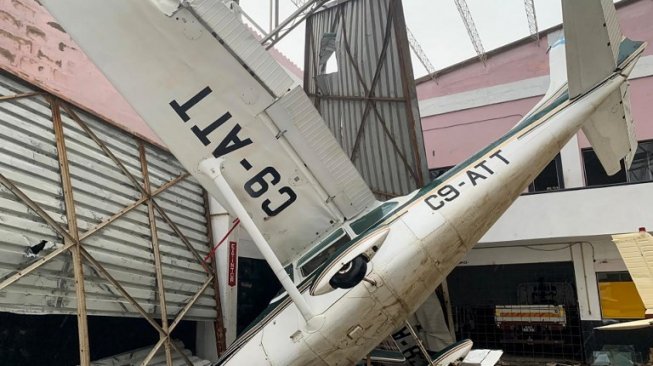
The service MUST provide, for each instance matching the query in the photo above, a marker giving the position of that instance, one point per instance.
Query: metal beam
(532, 19)
(158, 268)
(421, 55)
(466, 16)
(18, 96)
(82, 321)
(304, 11)
(33, 265)
(409, 93)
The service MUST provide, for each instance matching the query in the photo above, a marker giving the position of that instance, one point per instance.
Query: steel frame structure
(74, 239)
(372, 109)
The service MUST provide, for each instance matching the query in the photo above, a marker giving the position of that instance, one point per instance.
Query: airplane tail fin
(595, 50)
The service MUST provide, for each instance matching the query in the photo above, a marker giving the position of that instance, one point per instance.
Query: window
(437, 172)
(595, 174)
(311, 261)
(550, 179)
(619, 297)
(642, 168)
(372, 217)
(640, 171)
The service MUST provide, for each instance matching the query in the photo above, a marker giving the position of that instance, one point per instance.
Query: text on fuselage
(473, 175)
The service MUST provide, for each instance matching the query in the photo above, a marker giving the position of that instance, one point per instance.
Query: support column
(157, 257)
(586, 284)
(75, 250)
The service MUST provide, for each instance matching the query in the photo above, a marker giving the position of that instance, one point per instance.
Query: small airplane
(636, 249)
(353, 268)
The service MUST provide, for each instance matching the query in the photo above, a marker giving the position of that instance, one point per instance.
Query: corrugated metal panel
(240, 40)
(28, 157)
(390, 153)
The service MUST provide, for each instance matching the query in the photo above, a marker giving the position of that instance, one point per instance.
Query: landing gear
(350, 274)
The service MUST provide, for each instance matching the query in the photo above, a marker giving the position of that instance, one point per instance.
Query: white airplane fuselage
(428, 235)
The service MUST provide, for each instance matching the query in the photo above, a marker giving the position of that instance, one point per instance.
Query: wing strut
(212, 168)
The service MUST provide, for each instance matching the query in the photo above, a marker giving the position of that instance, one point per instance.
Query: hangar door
(91, 215)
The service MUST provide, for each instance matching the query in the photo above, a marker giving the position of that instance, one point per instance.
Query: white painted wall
(566, 216)
(568, 226)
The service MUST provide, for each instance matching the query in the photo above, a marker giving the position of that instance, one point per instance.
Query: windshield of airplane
(311, 261)
(359, 226)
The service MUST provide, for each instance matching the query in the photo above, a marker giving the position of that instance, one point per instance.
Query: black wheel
(350, 274)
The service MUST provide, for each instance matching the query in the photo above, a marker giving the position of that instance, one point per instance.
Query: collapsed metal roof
(370, 102)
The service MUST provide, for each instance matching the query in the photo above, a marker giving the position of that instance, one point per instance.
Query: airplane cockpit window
(372, 217)
(311, 261)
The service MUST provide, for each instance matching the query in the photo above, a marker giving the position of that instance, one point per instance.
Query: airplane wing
(636, 249)
(205, 85)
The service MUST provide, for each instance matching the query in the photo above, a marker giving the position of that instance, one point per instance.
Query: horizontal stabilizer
(610, 131)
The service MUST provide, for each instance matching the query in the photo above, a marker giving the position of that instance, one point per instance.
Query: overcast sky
(436, 25)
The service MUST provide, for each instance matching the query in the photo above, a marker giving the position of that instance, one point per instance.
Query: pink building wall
(34, 47)
(452, 137)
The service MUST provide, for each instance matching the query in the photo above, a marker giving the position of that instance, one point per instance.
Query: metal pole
(408, 91)
(425, 353)
(211, 168)
(18, 96)
(157, 256)
(271, 27)
(82, 322)
(276, 13)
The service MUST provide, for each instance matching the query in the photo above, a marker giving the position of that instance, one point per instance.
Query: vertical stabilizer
(595, 50)
(593, 36)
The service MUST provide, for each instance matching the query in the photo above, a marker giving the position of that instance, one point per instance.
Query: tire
(351, 274)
